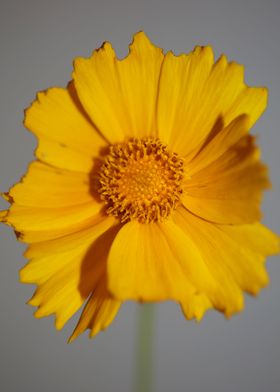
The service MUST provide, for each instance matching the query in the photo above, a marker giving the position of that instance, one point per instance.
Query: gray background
(39, 39)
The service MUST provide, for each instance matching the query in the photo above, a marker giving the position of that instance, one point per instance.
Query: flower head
(147, 186)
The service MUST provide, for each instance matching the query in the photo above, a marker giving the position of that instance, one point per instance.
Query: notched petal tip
(59, 322)
(256, 289)
(34, 104)
(6, 196)
(140, 37)
(39, 313)
(141, 43)
(205, 50)
(5, 213)
(106, 49)
(106, 46)
(3, 216)
(200, 53)
(237, 308)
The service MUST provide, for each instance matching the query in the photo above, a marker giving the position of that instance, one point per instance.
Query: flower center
(141, 180)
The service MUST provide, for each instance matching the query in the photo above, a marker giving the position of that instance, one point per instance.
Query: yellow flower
(147, 187)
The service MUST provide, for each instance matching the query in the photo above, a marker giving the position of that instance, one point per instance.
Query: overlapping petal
(44, 186)
(195, 92)
(161, 261)
(225, 182)
(51, 202)
(234, 254)
(99, 312)
(67, 138)
(67, 270)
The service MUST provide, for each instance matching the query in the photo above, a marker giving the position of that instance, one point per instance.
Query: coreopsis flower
(147, 187)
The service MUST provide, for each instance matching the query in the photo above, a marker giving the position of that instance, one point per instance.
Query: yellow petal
(230, 251)
(68, 270)
(141, 265)
(47, 187)
(99, 312)
(159, 261)
(196, 307)
(67, 138)
(42, 255)
(214, 148)
(41, 224)
(229, 296)
(3, 215)
(252, 101)
(257, 238)
(194, 93)
(120, 95)
(139, 78)
(229, 190)
(187, 251)
(181, 84)
(51, 202)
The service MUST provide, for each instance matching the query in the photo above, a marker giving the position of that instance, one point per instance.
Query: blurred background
(39, 40)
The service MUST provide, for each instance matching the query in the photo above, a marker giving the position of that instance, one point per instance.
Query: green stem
(144, 364)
